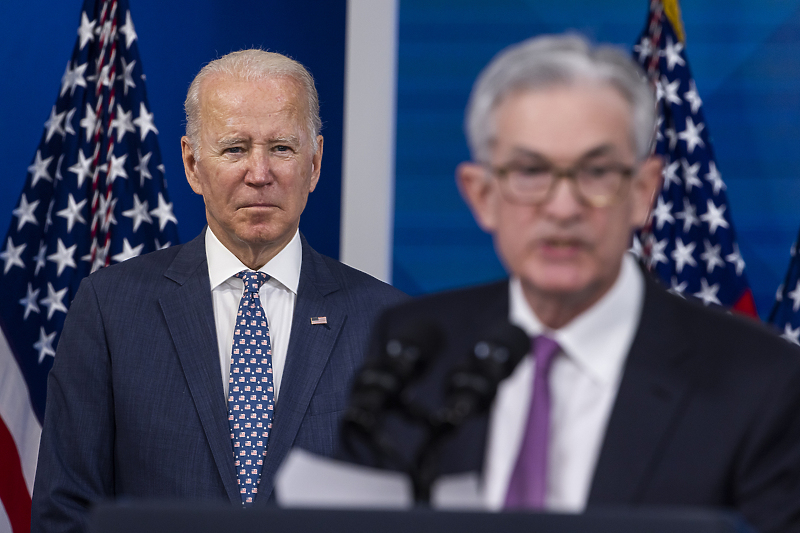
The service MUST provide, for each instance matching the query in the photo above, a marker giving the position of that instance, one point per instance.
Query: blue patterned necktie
(251, 396)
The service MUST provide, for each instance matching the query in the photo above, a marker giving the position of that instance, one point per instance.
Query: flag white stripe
(17, 412)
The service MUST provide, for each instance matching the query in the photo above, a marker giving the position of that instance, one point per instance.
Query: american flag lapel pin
(318, 320)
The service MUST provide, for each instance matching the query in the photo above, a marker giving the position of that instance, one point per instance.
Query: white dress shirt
(278, 296)
(584, 379)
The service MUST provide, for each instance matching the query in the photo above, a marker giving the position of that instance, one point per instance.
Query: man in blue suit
(144, 398)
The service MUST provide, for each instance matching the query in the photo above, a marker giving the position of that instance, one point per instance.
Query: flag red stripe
(746, 305)
(13, 490)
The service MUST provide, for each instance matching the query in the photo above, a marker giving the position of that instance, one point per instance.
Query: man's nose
(259, 171)
(564, 201)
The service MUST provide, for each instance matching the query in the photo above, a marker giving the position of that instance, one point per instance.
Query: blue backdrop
(745, 56)
(176, 38)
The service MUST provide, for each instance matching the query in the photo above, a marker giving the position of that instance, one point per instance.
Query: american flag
(690, 242)
(785, 314)
(94, 195)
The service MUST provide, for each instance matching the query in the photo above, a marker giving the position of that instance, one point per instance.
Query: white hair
(252, 65)
(554, 60)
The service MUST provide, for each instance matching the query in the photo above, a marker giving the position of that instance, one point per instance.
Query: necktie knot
(544, 351)
(252, 280)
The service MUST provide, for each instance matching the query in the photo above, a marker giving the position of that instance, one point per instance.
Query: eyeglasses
(596, 184)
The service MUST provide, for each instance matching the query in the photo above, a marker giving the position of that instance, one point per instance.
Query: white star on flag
(690, 178)
(682, 254)
(711, 256)
(662, 213)
(122, 123)
(708, 294)
(82, 169)
(736, 259)
(29, 301)
(141, 168)
(657, 252)
(791, 334)
(39, 168)
(12, 255)
(673, 54)
(795, 297)
(128, 252)
(64, 257)
(53, 124)
(88, 122)
(127, 75)
(25, 212)
(128, 30)
(138, 213)
(86, 30)
(163, 212)
(671, 91)
(715, 178)
(670, 174)
(72, 212)
(145, 121)
(714, 217)
(688, 215)
(691, 135)
(45, 344)
(54, 301)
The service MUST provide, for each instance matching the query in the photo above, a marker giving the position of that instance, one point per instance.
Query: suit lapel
(310, 347)
(188, 311)
(651, 396)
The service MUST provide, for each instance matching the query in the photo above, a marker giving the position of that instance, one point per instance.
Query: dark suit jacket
(135, 401)
(707, 414)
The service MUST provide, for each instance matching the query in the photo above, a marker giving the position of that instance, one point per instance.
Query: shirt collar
(283, 268)
(600, 338)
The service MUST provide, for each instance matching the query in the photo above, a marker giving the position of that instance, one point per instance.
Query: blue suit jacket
(135, 401)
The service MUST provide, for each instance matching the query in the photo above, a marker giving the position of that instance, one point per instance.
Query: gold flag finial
(673, 12)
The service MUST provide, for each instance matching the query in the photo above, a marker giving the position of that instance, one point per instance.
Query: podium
(166, 517)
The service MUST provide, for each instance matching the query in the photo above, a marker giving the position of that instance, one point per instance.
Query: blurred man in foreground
(630, 395)
(172, 380)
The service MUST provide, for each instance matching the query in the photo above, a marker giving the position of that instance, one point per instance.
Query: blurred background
(744, 54)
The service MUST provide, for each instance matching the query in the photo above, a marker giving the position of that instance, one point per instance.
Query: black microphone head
(408, 352)
(502, 348)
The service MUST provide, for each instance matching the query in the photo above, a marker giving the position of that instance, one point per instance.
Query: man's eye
(282, 148)
(233, 150)
(596, 172)
(533, 172)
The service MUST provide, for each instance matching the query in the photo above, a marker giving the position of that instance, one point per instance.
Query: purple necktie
(528, 485)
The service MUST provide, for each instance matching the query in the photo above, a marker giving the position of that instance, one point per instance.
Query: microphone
(471, 388)
(379, 384)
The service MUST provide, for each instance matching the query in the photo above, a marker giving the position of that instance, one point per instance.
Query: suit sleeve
(76, 455)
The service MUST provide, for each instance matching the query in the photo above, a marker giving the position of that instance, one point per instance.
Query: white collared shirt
(278, 296)
(584, 380)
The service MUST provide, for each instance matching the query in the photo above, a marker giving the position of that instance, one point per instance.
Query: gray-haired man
(631, 395)
(190, 372)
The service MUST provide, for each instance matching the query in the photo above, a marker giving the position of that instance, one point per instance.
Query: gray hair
(252, 65)
(554, 60)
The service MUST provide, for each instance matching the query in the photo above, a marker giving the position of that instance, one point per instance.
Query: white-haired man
(631, 396)
(190, 372)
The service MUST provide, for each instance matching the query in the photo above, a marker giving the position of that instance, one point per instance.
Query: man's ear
(479, 192)
(646, 185)
(316, 165)
(190, 166)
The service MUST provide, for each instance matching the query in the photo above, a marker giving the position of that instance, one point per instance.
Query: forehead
(564, 122)
(229, 101)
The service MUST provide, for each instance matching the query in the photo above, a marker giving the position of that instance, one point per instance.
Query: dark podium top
(136, 517)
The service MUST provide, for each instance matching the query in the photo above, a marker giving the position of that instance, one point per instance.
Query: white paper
(308, 480)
